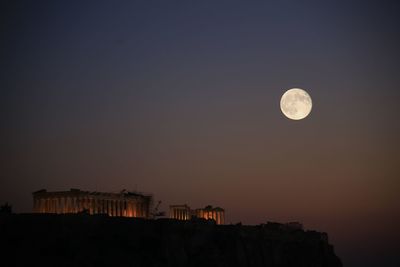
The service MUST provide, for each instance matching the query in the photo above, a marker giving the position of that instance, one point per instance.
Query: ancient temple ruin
(124, 204)
(183, 212)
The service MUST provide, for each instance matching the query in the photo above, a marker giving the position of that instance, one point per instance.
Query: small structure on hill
(184, 212)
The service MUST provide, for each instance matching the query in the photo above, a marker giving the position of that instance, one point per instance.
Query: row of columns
(112, 207)
(180, 213)
(217, 215)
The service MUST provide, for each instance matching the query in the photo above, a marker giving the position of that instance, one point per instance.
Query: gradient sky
(181, 99)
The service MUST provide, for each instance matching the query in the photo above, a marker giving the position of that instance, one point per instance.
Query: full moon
(296, 104)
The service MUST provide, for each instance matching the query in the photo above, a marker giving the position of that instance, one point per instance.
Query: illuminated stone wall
(183, 212)
(179, 212)
(124, 204)
(217, 214)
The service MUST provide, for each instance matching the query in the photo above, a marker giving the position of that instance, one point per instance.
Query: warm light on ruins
(183, 212)
(123, 204)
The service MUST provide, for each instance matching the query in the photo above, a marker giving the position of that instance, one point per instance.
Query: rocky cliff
(84, 240)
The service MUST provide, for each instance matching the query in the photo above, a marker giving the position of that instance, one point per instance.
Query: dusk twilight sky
(180, 99)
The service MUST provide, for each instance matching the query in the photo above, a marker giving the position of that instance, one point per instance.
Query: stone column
(68, 204)
(58, 205)
(126, 208)
(76, 204)
(108, 209)
(81, 203)
(74, 201)
(76, 209)
(118, 208)
(71, 204)
(84, 203)
(95, 205)
(90, 202)
(65, 209)
(131, 207)
(53, 205)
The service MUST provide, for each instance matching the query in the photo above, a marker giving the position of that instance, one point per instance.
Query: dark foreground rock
(84, 240)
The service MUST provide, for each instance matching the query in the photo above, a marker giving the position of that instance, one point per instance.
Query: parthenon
(125, 204)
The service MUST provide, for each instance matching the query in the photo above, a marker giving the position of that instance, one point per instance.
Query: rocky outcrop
(84, 240)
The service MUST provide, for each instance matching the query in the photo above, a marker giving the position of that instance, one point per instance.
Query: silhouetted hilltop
(84, 240)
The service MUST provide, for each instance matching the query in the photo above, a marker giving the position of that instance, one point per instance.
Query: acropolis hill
(42, 239)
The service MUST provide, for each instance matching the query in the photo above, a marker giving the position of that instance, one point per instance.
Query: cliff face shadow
(84, 240)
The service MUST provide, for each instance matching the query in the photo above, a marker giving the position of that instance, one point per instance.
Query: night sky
(181, 99)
